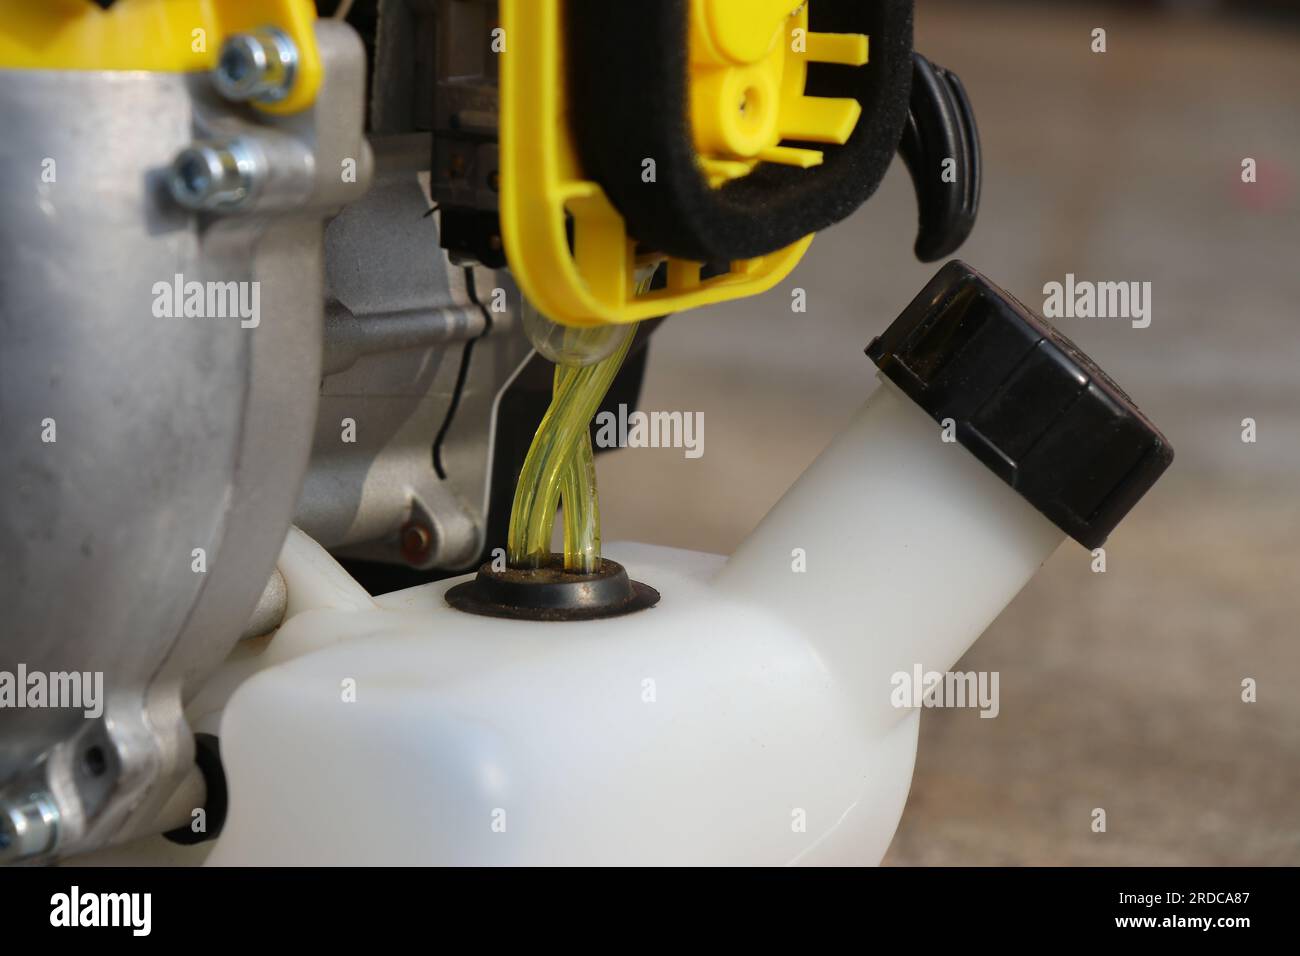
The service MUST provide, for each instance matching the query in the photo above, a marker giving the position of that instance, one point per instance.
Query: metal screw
(28, 828)
(257, 66)
(213, 176)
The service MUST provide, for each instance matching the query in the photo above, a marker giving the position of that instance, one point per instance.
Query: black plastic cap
(1025, 401)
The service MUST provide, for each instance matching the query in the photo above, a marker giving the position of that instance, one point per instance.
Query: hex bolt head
(211, 177)
(258, 66)
(29, 827)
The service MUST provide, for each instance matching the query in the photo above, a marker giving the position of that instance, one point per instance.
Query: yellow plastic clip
(749, 67)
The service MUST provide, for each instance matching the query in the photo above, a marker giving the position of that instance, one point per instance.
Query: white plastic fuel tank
(747, 719)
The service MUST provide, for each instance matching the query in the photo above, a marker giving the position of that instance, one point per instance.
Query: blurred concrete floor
(1119, 690)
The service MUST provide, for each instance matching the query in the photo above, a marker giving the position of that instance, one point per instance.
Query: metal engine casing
(173, 436)
(366, 407)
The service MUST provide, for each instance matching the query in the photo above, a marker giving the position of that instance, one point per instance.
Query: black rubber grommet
(552, 594)
(1025, 401)
(207, 754)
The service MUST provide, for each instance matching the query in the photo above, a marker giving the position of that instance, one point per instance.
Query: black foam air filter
(629, 101)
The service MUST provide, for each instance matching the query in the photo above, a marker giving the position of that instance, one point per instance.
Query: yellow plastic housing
(165, 36)
(748, 64)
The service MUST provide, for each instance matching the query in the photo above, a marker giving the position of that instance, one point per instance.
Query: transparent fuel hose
(560, 460)
(578, 495)
(561, 463)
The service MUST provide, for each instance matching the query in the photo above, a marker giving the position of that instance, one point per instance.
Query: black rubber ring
(550, 593)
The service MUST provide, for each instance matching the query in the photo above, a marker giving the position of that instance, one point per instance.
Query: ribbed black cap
(1026, 402)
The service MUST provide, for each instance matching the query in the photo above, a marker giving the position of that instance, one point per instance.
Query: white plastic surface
(745, 720)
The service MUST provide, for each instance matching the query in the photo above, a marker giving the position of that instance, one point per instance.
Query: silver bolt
(28, 827)
(257, 66)
(208, 177)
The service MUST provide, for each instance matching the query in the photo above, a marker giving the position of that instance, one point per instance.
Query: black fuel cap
(1025, 401)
